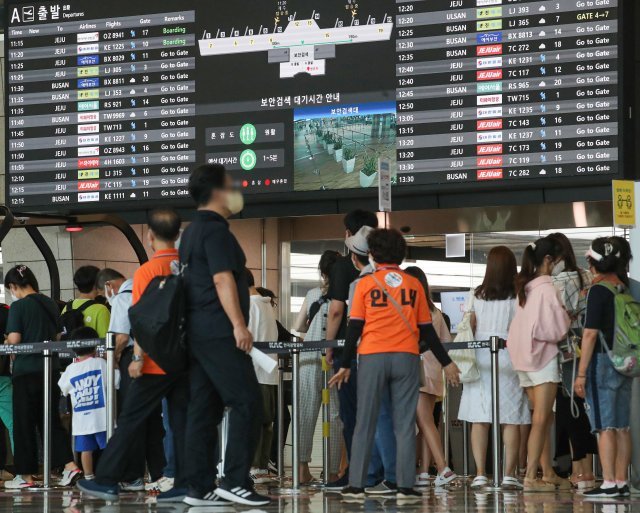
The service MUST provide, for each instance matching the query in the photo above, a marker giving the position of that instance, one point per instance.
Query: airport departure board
(112, 104)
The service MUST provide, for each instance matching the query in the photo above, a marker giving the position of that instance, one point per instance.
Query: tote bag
(465, 359)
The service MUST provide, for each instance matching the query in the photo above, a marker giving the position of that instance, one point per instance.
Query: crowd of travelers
(557, 373)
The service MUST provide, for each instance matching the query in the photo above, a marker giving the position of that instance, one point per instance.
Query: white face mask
(558, 268)
(14, 298)
(235, 202)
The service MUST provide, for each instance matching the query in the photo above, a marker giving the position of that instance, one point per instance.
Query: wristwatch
(137, 358)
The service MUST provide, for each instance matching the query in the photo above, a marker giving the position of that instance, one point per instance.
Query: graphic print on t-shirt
(87, 393)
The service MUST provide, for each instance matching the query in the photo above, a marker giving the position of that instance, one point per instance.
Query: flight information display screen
(114, 103)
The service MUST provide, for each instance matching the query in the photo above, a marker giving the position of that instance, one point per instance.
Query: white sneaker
(133, 486)
(445, 477)
(260, 476)
(423, 479)
(164, 484)
(17, 483)
(69, 477)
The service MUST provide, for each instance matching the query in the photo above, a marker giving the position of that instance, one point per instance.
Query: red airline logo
(91, 185)
(489, 149)
(489, 161)
(489, 50)
(489, 124)
(489, 174)
(87, 163)
(489, 74)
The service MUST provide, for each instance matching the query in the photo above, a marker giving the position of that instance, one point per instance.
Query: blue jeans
(348, 395)
(608, 395)
(169, 452)
(383, 456)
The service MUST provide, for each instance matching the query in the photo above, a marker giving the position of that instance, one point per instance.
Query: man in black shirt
(342, 274)
(221, 373)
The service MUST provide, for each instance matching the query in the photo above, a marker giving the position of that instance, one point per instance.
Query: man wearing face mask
(140, 423)
(342, 276)
(221, 373)
(118, 291)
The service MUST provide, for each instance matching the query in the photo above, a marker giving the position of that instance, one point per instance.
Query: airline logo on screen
(489, 100)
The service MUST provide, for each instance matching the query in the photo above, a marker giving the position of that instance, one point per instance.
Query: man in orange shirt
(142, 407)
(390, 317)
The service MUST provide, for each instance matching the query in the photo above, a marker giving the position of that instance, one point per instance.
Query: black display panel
(110, 105)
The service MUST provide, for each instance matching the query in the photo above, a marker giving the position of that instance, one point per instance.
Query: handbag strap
(395, 304)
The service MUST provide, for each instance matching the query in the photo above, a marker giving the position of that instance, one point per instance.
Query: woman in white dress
(493, 307)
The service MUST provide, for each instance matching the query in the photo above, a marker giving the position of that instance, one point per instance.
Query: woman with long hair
(539, 324)
(573, 433)
(312, 321)
(607, 392)
(493, 307)
(429, 394)
(33, 317)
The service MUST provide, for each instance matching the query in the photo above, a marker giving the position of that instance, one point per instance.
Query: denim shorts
(608, 399)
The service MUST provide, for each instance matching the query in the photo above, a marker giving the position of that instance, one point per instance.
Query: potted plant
(369, 171)
(330, 144)
(319, 138)
(325, 138)
(337, 148)
(348, 160)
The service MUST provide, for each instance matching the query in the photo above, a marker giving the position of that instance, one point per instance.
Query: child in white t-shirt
(85, 381)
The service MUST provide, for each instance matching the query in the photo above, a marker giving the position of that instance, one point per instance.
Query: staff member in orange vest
(142, 407)
(390, 316)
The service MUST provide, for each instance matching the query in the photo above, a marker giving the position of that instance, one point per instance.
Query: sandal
(536, 485)
(583, 481)
(558, 482)
(479, 482)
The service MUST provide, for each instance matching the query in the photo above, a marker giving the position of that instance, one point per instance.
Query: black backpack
(158, 322)
(72, 319)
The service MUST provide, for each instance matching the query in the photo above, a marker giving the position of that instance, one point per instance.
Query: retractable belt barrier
(66, 348)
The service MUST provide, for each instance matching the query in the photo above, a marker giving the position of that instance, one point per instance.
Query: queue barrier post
(495, 410)
(295, 426)
(281, 407)
(465, 448)
(326, 424)
(445, 424)
(110, 353)
(46, 435)
(295, 421)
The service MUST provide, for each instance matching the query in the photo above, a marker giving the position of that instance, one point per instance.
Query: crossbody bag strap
(44, 307)
(395, 304)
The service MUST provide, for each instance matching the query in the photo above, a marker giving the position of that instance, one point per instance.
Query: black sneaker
(408, 493)
(338, 485)
(194, 498)
(351, 492)
(624, 491)
(241, 495)
(602, 493)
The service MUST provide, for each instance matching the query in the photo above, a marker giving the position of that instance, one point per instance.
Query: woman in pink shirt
(539, 324)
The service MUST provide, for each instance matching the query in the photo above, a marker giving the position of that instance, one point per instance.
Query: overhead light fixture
(73, 228)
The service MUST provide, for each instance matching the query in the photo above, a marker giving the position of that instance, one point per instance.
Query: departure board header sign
(112, 104)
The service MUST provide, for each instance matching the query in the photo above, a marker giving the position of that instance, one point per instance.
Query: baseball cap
(357, 243)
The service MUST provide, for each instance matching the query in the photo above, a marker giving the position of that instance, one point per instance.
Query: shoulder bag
(465, 359)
